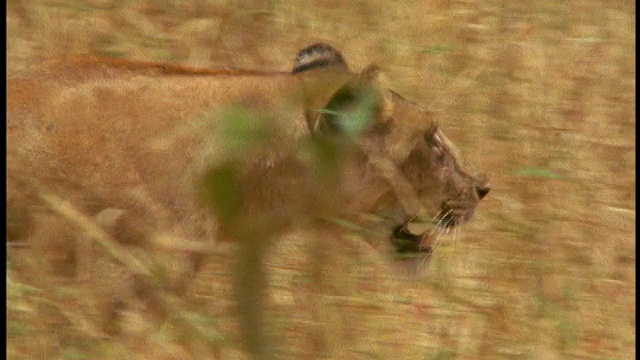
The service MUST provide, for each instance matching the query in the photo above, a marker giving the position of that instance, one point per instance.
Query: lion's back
(114, 126)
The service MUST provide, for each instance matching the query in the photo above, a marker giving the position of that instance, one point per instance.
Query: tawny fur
(135, 136)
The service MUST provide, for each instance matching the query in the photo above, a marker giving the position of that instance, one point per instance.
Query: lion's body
(116, 134)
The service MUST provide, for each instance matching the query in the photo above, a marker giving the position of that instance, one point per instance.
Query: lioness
(134, 136)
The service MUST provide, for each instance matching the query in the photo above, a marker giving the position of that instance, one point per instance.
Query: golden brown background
(540, 95)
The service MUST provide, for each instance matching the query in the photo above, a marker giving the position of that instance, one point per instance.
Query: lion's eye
(428, 138)
(430, 135)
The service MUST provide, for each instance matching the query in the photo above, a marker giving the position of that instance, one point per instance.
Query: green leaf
(242, 128)
(223, 191)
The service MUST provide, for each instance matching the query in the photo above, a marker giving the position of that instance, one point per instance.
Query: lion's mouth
(407, 242)
(418, 237)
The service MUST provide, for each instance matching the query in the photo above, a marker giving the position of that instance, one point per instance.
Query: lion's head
(404, 166)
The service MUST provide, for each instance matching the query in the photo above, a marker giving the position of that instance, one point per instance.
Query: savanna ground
(540, 95)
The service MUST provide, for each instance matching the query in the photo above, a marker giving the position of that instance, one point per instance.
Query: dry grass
(538, 94)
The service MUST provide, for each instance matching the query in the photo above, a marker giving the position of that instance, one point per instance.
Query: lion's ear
(359, 104)
(319, 56)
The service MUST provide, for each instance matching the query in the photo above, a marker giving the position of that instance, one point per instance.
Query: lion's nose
(483, 190)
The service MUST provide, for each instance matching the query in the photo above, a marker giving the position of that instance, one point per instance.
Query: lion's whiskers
(436, 218)
(442, 226)
(456, 233)
(437, 228)
(442, 217)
